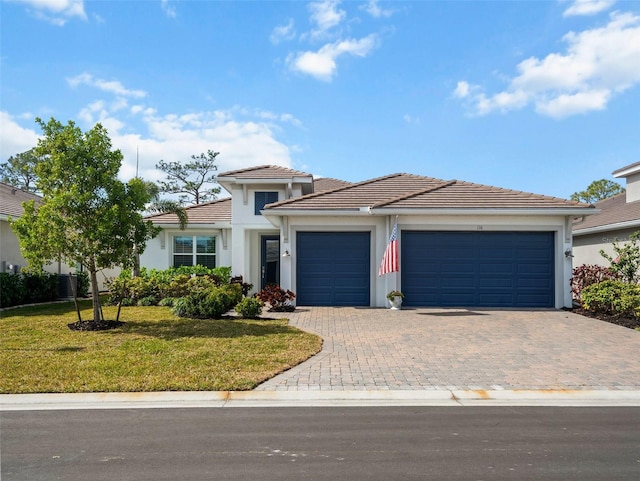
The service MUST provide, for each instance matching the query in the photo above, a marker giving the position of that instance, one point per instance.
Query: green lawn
(153, 351)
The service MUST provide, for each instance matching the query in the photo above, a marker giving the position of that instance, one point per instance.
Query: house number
(479, 227)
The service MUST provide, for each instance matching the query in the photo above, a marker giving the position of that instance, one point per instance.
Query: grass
(153, 351)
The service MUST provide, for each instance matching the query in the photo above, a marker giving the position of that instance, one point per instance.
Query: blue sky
(539, 96)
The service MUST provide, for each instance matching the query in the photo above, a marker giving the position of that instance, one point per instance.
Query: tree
(598, 190)
(191, 180)
(166, 206)
(20, 171)
(86, 214)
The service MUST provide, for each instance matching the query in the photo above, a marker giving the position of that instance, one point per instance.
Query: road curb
(220, 399)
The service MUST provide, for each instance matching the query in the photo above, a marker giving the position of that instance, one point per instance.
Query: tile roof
(263, 172)
(11, 200)
(409, 191)
(324, 184)
(217, 211)
(614, 210)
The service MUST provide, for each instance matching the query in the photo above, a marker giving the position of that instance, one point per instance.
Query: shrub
(12, 292)
(233, 293)
(167, 301)
(279, 299)
(39, 286)
(586, 275)
(27, 287)
(83, 284)
(208, 304)
(133, 289)
(612, 297)
(246, 287)
(627, 261)
(148, 301)
(169, 283)
(249, 308)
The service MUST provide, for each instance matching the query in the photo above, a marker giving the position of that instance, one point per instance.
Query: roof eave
(563, 211)
(296, 179)
(194, 225)
(603, 228)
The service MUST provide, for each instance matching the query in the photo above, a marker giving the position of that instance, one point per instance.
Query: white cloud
(326, 18)
(566, 105)
(283, 32)
(112, 86)
(14, 138)
(325, 15)
(588, 7)
(243, 136)
(597, 65)
(373, 9)
(169, 10)
(322, 64)
(462, 90)
(56, 12)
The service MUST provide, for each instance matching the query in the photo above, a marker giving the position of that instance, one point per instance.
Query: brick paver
(461, 349)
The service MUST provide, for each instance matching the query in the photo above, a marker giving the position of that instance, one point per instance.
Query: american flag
(390, 258)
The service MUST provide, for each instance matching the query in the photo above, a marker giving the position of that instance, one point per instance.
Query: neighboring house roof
(11, 199)
(217, 211)
(615, 213)
(412, 192)
(626, 170)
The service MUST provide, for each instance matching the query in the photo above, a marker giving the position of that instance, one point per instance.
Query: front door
(270, 260)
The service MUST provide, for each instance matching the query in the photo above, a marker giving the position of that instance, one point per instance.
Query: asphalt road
(352, 443)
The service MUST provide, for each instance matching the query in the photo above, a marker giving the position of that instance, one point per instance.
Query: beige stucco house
(618, 218)
(11, 259)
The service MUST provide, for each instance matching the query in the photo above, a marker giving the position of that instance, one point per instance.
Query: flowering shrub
(626, 262)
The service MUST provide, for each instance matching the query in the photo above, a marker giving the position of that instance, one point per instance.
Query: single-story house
(459, 243)
(11, 259)
(619, 217)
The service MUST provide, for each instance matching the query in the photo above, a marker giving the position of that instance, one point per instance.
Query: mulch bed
(94, 325)
(631, 323)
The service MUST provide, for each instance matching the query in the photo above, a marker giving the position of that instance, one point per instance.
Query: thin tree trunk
(74, 293)
(95, 294)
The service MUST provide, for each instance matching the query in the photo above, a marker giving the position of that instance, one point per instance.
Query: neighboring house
(619, 217)
(11, 200)
(11, 259)
(460, 244)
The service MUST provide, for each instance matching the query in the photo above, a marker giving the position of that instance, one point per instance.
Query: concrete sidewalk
(424, 357)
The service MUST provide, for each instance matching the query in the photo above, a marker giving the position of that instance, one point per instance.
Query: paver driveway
(434, 349)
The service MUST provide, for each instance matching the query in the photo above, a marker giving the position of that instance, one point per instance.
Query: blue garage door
(333, 269)
(477, 269)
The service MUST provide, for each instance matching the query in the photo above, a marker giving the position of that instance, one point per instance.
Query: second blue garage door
(477, 269)
(333, 268)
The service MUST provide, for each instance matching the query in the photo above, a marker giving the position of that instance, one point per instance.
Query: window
(194, 250)
(264, 198)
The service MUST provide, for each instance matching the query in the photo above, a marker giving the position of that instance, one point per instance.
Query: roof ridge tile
(442, 185)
